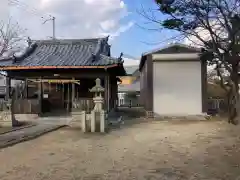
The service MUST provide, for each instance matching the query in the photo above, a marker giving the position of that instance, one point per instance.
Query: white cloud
(108, 24)
(205, 35)
(131, 62)
(118, 31)
(4, 10)
(74, 18)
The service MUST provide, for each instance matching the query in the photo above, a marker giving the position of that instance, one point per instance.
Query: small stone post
(83, 118)
(93, 122)
(102, 122)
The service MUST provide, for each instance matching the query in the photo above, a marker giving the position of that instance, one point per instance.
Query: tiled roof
(70, 52)
(2, 90)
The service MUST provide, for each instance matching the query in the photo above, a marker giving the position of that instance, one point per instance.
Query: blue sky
(90, 18)
(138, 38)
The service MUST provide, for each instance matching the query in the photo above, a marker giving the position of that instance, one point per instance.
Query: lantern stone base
(76, 120)
(94, 122)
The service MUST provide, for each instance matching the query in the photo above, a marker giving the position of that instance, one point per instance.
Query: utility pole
(52, 18)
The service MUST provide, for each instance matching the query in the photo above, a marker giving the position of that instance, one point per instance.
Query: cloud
(205, 35)
(4, 10)
(122, 29)
(74, 18)
(131, 62)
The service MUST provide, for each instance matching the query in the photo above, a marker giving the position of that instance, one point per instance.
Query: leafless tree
(10, 38)
(215, 26)
(11, 42)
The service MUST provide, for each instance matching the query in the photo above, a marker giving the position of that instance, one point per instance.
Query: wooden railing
(26, 106)
(31, 106)
(23, 106)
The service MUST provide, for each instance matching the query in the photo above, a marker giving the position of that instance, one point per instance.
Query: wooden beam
(55, 81)
(21, 74)
(26, 89)
(8, 87)
(40, 89)
(73, 92)
(55, 67)
(106, 93)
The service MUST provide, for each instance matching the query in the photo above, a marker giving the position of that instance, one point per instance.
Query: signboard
(45, 96)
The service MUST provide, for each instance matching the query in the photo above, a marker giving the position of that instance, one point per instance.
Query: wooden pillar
(68, 97)
(40, 94)
(73, 92)
(115, 93)
(26, 89)
(106, 95)
(109, 94)
(8, 88)
(113, 90)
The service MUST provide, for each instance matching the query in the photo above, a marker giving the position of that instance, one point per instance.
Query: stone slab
(179, 117)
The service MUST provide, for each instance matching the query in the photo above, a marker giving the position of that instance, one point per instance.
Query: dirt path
(148, 151)
(27, 133)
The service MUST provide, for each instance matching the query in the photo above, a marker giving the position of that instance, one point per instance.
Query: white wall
(177, 88)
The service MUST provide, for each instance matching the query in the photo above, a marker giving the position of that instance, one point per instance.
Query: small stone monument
(5, 115)
(98, 113)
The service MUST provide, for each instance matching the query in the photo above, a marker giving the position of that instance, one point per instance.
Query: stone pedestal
(98, 110)
(76, 119)
(93, 121)
(5, 119)
(102, 122)
(84, 121)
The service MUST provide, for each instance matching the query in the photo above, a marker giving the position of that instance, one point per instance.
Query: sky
(121, 19)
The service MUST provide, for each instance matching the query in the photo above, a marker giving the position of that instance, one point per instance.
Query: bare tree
(215, 26)
(10, 38)
(11, 42)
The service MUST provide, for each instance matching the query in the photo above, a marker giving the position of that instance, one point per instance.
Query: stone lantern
(98, 114)
(98, 100)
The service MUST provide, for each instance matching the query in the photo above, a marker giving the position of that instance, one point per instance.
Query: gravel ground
(146, 151)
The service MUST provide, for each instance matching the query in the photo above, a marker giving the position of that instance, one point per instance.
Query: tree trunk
(234, 112)
(14, 97)
(234, 99)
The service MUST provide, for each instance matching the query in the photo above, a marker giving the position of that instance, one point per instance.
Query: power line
(35, 12)
(27, 8)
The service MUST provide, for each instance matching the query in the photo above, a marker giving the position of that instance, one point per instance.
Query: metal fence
(128, 101)
(217, 106)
